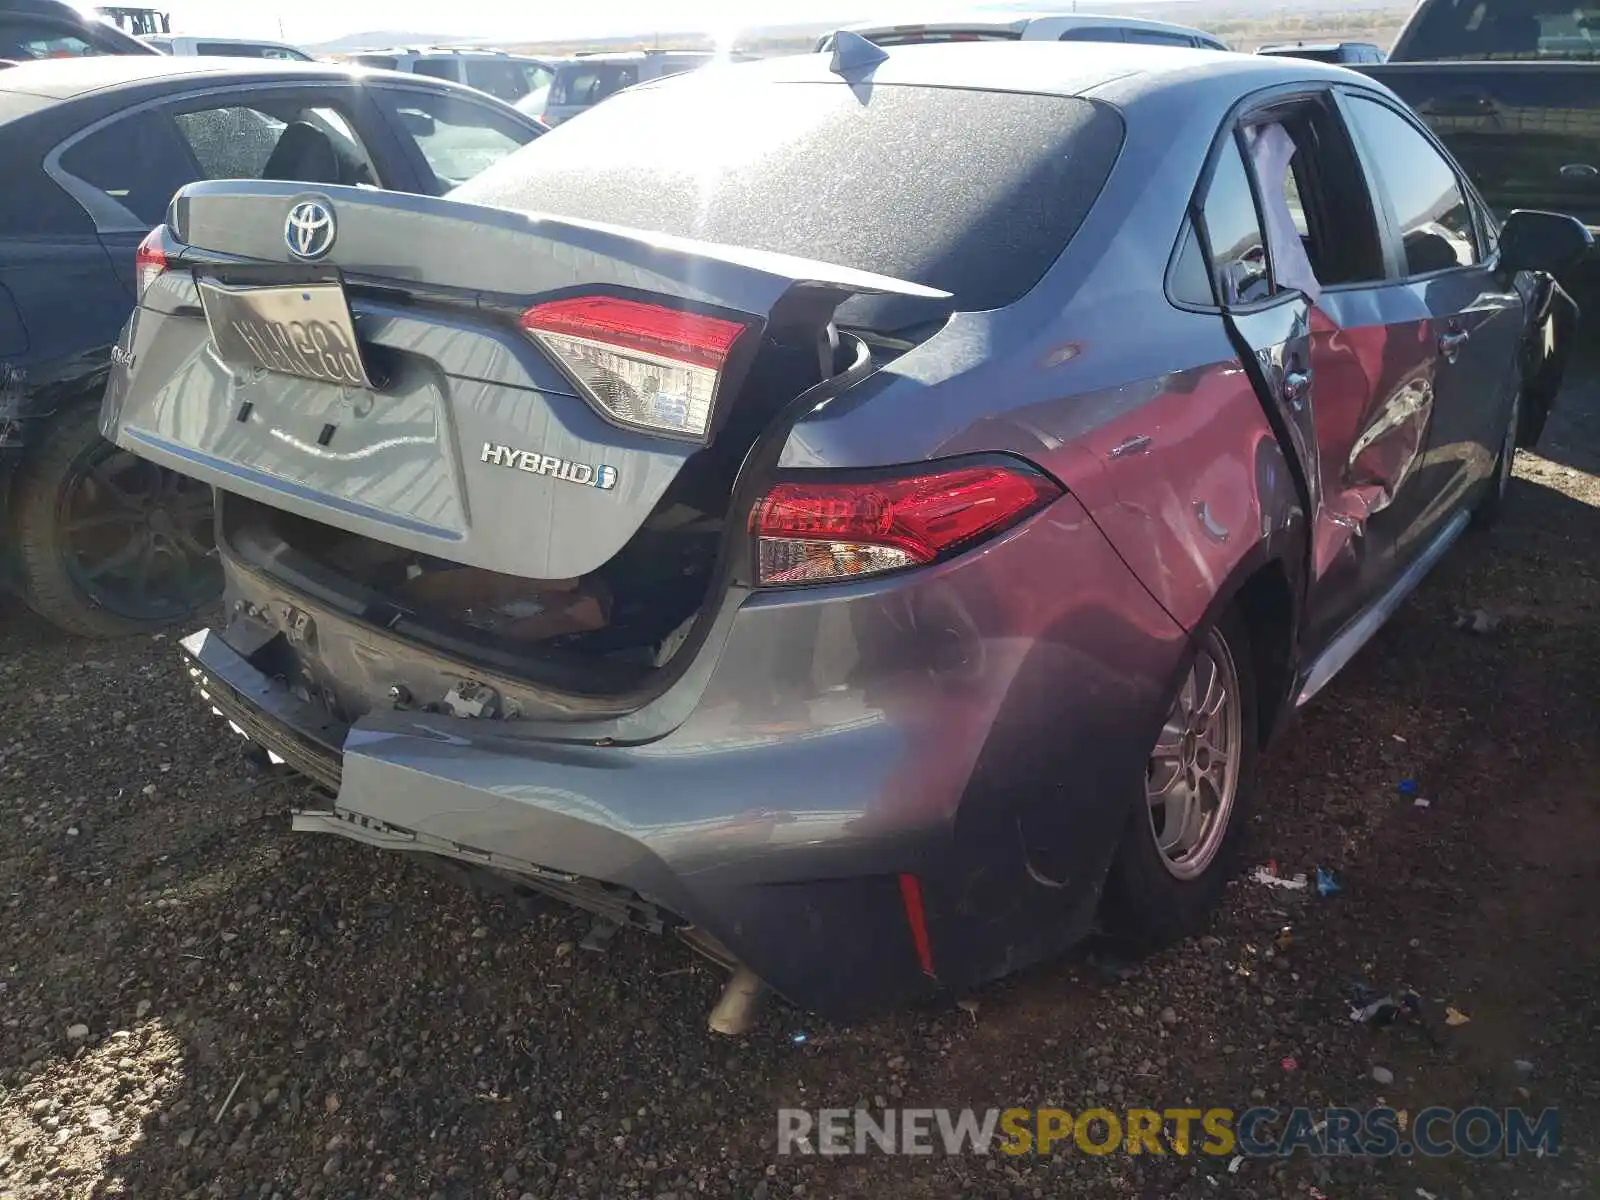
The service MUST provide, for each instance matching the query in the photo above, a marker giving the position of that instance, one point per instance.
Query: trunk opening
(604, 633)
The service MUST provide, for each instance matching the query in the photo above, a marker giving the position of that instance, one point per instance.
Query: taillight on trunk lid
(830, 529)
(646, 365)
(149, 264)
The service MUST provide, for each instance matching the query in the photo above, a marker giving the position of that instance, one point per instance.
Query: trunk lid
(474, 447)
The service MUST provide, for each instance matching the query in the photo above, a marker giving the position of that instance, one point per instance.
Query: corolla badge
(310, 229)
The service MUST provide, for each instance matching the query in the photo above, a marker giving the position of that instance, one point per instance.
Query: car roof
(69, 78)
(1045, 67)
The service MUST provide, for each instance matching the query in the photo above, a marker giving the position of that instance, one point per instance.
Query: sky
(320, 20)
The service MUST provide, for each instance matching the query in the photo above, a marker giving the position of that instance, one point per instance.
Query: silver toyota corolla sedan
(862, 513)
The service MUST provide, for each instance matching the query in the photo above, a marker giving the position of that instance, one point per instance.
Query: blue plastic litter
(799, 1039)
(1408, 787)
(1327, 885)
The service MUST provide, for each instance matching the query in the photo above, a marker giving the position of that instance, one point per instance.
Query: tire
(108, 544)
(1493, 504)
(1154, 898)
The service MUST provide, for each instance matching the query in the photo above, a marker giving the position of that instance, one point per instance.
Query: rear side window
(1159, 37)
(291, 142)
(1093, 33)
(247, 50)
(437, 68)
(137, 162)
(501, 78)
(1233, 228)
(1423, 193)
(973, 192)
(589, 83)
(381, 62)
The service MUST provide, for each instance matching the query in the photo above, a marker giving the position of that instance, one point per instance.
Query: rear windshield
(1501, 29)
(975, 193)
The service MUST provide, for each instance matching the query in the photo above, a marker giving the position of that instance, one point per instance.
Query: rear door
(1474, 318)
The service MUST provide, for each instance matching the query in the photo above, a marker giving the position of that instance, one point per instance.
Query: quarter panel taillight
(831, 529)
(150, 263)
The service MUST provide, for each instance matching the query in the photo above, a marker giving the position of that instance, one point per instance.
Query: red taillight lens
(149, 263)
(830, 530)
(646, 364)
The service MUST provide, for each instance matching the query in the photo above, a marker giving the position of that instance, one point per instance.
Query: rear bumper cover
(982, 725)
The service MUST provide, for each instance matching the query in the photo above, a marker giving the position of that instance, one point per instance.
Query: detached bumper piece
(303, 737)
(266, 713)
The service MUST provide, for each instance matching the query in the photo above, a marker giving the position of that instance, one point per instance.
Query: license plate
(303, 329)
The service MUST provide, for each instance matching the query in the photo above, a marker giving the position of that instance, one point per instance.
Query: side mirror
(417, 123)
(1543, 241)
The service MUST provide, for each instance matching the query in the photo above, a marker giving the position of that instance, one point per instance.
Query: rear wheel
(111, 544)
(1179, 848)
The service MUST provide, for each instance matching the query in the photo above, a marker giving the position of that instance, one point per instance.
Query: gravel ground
(194, 1002)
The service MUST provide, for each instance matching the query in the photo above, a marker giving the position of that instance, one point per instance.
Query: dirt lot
(163, 937)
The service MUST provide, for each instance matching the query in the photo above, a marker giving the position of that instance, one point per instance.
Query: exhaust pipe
(735, 1013)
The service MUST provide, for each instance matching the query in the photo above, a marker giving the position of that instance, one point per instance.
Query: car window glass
(244, 142)
(23, 40)
(383, 62)
(501, 78)
(1157, 37)
(1191, 282)
(230, 143)
(247, 50)
(139, 162)
(1430, 212)
(437, 68)
(1297, 208)
(1233, 227)
(589, 83)
(457, 138)
(1093, 33)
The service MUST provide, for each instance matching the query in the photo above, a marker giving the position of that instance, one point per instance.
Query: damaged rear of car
(523, 563)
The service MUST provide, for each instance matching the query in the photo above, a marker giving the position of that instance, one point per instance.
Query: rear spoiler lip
(588, 236)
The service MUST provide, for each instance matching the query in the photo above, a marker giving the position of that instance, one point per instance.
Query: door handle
(1450, 343)
(1296, 387)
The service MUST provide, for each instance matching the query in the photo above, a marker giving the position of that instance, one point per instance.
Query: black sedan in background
(95, 540)
(37, 29)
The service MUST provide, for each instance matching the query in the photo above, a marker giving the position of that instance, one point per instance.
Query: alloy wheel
(136, 539)
(1193, 774)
